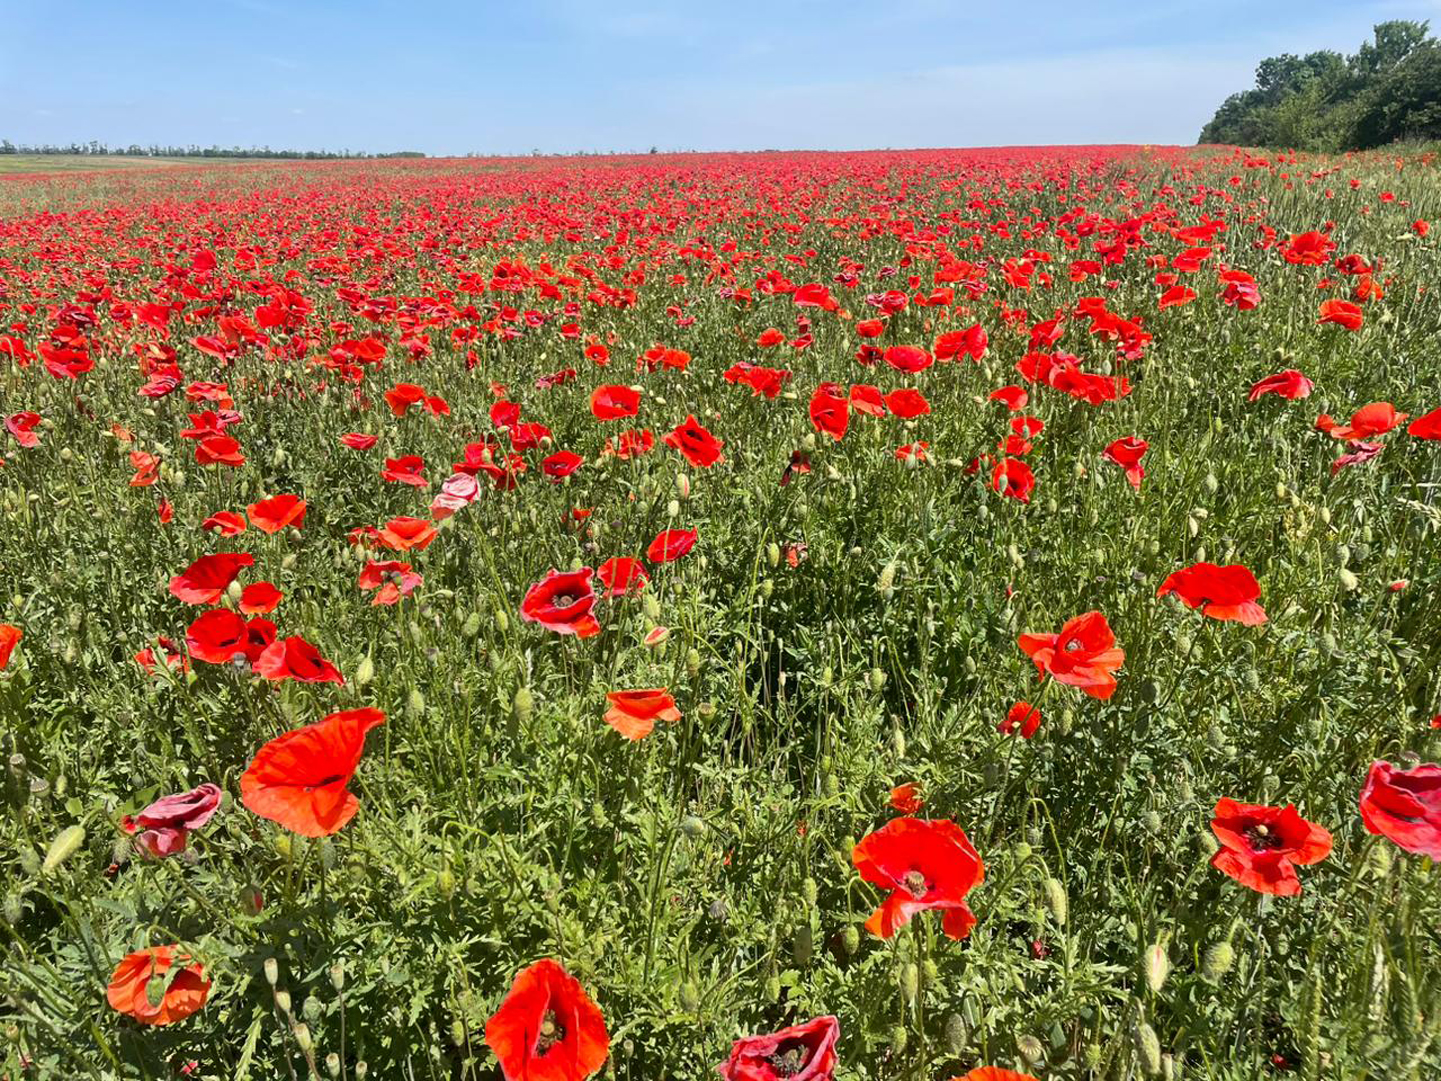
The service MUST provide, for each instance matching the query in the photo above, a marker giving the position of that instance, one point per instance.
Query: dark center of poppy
(552, 1032)
(1073, 646)
(327, 781)
(1260, 837)
(789, 1058)
(915, 884)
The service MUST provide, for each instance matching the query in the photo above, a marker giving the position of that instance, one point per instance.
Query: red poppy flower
(925, 865)
(1013, 398)
(1261, 846)
(994, 1073)
(1290, 384)
(870, 328)
(700, 447)
(129, 989)
(405, 470)
(1176, 297)
(206, 580)
(563, 603)
(359, 440)
(830, 411)
(145, 658)
(217, 636)
(274, 514)
(1022, 717)
(1013, 478)
(1226, 593)
(622, 576)
(165, 824)
(392, 578)
(799, 1053)
(769, 337)
(1427, 426)
(547, 1027)
(22, 426)
(972, 341)
(633, 713)
(404, 533)
(9, 639)
(402, 396)
(219, 450)
(561, 464)
(299, 779)
(226, 523)
(1378, 418)
(1083, 654)
(907, 403)
(1343, 313)
(1404, 805)
(908, 358)
(867, 399)
(295, 658)
(632, 443)
(670, 544)
(614, 401)
(906, 798)
(260, 598)
(1127, 454)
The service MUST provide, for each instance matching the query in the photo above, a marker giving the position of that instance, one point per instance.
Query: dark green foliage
(1389, 89)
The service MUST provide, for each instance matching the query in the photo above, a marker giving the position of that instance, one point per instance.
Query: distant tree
(1326, 101)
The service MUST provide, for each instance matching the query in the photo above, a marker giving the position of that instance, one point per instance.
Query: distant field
(78, 163)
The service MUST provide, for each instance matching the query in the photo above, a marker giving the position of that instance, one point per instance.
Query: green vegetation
(1390, 89)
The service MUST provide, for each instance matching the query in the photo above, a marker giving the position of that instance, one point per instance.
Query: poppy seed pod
(1030, 1048)
(282, 1000)
(272, 971)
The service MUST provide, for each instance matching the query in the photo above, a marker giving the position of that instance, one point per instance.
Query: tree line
(1389, 89)
(135, 150)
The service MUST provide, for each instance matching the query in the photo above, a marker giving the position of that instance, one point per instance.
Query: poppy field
(917, 615)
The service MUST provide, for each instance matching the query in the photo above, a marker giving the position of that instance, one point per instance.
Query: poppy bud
(692, 664)
(682, 485)
(831, 786)
(809, 891)
(898, 1040)
(955, 1034)
(364, 672)
(310, 1008)
(471, 627)
(282, 1000)
(1193, 527)
(283, 846)
(885, 584)
(877, 679)
(502, 622)
(910, 981)
(13, 908)
(1349, 581)
(251, 900)
(809, 442)
(1091, 1056)
(898, 742)
(1210, 483)
(1217, 960)
(1054, 894)
(445, 883)
(1153, 822)
(1325, 515)
(1150, 692)
(457, 1032)
(1014, 555)
(850, 940)
(1207, 843)
(1329, 644)
(651, 606)
(1380, 862)
(67, 842)
(522, 705)
(1200, 553)
(773, 988)
(415, 703)
(1148, 1048)
(693, 827)
(1156, 965)
(672, 509)
(773, 554)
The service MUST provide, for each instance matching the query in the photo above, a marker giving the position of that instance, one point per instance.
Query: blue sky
(565, 75)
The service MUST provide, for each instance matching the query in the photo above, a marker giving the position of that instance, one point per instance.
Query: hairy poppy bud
(522, 705)
(955, 1034)
(803, 945)
(364, 671)
(1380, 861)
(910, 981)
(415, 703)
(1148, 1048)
(1054, 894)
(1152, 820)
(773, 554)
(445, 883)
(809, 891)
(1156, 965)
(692, 664)
(693, 827)
(1217, 960)
(773, 988)
(682, 485)
(66, 843)
(1023, 851)
(457, 1032)
(886, 583)
(1091, 1056)
(850, 940)
(502, 621)
(1349, 582)
(310, 1008)
(651, 606)
(877, 679)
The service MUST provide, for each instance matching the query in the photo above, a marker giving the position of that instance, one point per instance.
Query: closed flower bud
(682, 485)
(850, 940)
(252, 901)
(1349, 581)
(1148, 1048)
(651, 606)
(773, 988)
(233, 592)
(689, 996)
(457, 1032)
(898, 1040)
(1057, 904)
(445, 883)
(831, 786)
(910, 981)
(66, 843)
(886, 583)
(415, 703)
(955, 1034)
(1217, 961)
(522, 705)
(364, 671)
(692, 664)
(877, 679)
(310, 1008)
(803, 945)
(1156, 965)
(809, 891)
(1380, 861)
(693, 827)
(773, 554)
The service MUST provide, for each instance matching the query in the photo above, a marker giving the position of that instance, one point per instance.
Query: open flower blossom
(9, 639)
(206, 580)
(299, 779)
(1375, 419)
(547, 1028)
(563, 602)
(276, 513)
(161, 829)
(633, 713)
(1225, 592)
(805, 1052)
(1290, 384)
(1083, 654)
(179, 995)
(925, 865)
(1127, 454)
(1261, 846)
(1404, 805)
